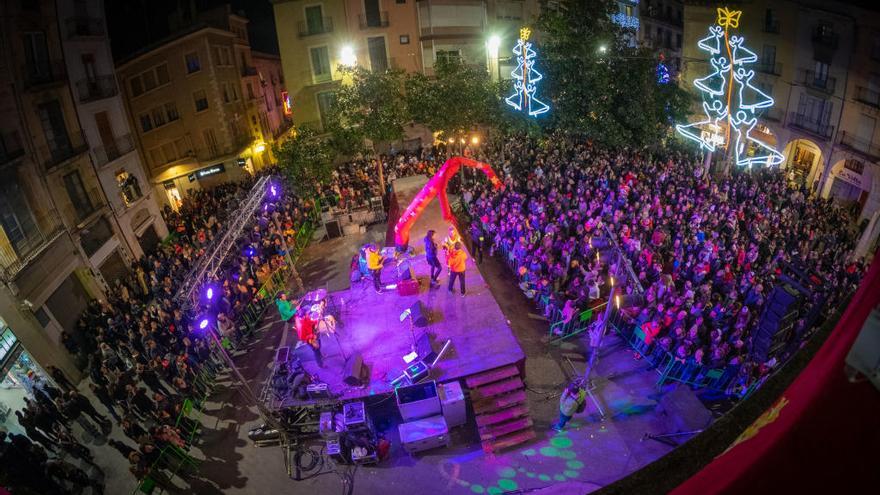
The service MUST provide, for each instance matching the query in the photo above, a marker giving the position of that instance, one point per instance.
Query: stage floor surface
(481, 337)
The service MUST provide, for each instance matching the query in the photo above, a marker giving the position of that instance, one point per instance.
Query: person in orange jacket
(455, 260)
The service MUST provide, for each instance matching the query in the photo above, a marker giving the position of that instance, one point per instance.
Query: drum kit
(316, 303)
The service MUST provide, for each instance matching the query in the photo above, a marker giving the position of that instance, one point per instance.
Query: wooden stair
(502, 415)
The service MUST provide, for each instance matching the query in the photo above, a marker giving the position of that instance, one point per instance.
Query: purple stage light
(273, 190)
(204, 323)
(210, 293)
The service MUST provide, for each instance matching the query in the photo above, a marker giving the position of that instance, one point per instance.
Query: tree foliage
(610, 95)
(306, 158)
(458, 97)
(369, 105)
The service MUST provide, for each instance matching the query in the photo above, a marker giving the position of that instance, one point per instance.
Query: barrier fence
(174, 460)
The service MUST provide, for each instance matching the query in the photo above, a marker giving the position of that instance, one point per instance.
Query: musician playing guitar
(305, 330)
(374, 263)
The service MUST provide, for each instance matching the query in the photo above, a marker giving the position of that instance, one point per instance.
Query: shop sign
(850, 176)
(212, 170)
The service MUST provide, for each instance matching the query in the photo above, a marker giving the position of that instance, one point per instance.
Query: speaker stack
(777, 322)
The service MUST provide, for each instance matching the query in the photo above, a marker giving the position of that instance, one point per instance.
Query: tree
(305, 158)
(369, 105)
(599, 84)
(458, 97)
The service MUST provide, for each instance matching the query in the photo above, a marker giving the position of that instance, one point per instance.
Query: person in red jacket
(455, 260)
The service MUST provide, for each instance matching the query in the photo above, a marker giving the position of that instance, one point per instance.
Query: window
(162, 74)
(314, 19)
(171, 111)
(129, 187)
(628, 10)
(448, 54)
(201, 100)
(320, 63)
(233, 89)
(821, 74)
(372, 15)
(854, 165)
(158, 115)
(325, 105)
(210, 141)
(77, 192)
(222, 56)
(16, 218)
(36, 55)
(250, 90)
(769, 56)
(225, 88)
(54, 128)
(137, 87)
(192, 62)
(404, 39)
(182, 146)
(146, 123)
(378, 55)
(149, 79)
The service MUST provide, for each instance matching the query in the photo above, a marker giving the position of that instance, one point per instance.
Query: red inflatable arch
(437, 186)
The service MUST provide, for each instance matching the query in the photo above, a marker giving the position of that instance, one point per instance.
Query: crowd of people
(705, 250)
(139, 347)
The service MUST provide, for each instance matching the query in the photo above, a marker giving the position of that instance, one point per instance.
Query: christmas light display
(731, 102)
(525, 78)
(436, 187)
(662, 71)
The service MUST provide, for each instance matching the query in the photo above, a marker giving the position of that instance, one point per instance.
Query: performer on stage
(451, 238)
(374, 264)
(285, 309)
(305, 331)
(431, 256)
(455, 259)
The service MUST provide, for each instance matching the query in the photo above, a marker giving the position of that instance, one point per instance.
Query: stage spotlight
(210, 293)
(203, 322)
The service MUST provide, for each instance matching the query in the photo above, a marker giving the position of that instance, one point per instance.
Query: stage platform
(481, 338)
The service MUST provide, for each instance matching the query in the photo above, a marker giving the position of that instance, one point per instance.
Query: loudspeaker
(404, 271)
(355, 371)
(418, 314)
(333, 229)
(424, 348)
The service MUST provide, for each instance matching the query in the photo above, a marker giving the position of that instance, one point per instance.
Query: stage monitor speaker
(355, 371)
(424, 348)
(404, 271)
(418, 314)
(333, 229)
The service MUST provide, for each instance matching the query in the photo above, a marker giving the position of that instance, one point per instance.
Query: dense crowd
(139, 346)
(705, 250)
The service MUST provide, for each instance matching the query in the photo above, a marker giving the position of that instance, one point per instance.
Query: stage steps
(502, 414)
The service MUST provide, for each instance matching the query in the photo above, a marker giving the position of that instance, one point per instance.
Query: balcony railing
(861, 145)
(84, 27)
(801, 121)
(771, 26)
(10, 147)
(819, 82)
(772, 68)
(825, 37)
(868, 96)
(38, 75)
(373, 21)
(13, 258)
(96, 89)
(120, 146)
(75, 145)
(247, 70)
(312, 29)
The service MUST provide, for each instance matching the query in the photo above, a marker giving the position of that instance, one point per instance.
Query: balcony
(868, 96)
(824, 37)
(804, 122)
(373, 21)
(247, 70)
(10, 147)
(84, 27)
(659, 15)
(860, 145)
(63, 150)
(819, 82)
(771, 26)
(121, 145)
(312, 28)
(772, 68)
(16, 254)
(38, 76)
(96, 89)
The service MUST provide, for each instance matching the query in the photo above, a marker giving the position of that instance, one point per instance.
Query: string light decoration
(662, 71)
(525, 78)
(731, 103)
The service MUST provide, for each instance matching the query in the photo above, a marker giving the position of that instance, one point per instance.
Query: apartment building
(54, 218)
(820, 64)
(135, 215)
(271, 93)
(662, 29)
(187, 98)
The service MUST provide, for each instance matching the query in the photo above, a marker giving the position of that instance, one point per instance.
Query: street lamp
(347, 56)
(475, 140)
(603, 48)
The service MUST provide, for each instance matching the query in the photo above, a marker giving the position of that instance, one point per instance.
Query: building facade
(271, 94)
(662, 29)
(187, 97)
(820, 65)
(317, 38)
(134, 213)
(54, 218)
